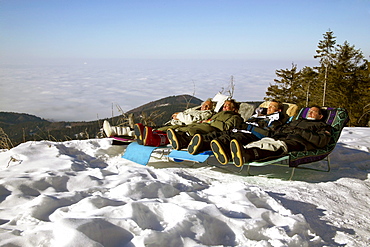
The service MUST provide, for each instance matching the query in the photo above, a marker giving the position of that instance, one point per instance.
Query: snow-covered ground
(82, 193)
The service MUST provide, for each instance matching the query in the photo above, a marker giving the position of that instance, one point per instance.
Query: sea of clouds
(85, 90)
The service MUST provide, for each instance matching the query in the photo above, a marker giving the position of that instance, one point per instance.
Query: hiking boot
(147, 136)
(196, 144)
(139, 133)
(108, 129)
(178, 139)
(220, 152)
(154, 138)
(122, 131)
(237, 153)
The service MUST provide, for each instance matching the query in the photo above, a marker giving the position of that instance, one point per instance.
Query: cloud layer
(86, 90)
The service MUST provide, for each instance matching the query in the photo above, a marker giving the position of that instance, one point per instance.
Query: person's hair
(280, 104)
(213, 104)
(321, 111)
(235, 104)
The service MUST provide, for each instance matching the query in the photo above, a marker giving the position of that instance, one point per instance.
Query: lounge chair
(337, 118)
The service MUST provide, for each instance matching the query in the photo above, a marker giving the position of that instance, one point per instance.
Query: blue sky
(72, 60)
(167, 29)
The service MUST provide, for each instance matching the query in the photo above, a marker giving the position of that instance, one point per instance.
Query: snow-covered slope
(82, 193)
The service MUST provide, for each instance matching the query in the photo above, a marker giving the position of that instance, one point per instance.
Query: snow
(83, 193)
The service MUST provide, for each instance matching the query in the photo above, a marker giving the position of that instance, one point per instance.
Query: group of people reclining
(263, 136)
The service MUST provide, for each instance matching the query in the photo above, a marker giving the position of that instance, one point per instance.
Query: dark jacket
(312, 134)
(266, 126)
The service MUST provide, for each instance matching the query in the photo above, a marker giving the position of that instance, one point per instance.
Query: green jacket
(221, 121)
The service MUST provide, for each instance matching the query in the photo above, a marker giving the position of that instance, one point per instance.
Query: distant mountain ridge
(179, 101)
(17, 118)
(21, 127)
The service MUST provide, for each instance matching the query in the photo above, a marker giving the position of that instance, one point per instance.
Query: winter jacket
(312, 134)
(221, 121)
(192, 115)
(263, 126)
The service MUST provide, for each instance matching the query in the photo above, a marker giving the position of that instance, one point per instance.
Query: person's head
(315, 113)
(207, 105)
(274, 106)
(230, 105)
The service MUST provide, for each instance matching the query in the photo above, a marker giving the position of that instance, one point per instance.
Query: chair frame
(337, 118)
(284, 162)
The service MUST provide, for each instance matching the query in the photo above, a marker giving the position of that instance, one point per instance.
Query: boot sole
(194, 144)
(108, 129)
(145, 136)
(236, 153)
(219, 152)
(173, 139)
(138, 134)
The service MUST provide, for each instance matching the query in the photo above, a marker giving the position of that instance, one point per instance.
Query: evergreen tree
(364, 119)
(350, 79)
(325, 51)
(326, 47)
(312, 88)
(285, 88)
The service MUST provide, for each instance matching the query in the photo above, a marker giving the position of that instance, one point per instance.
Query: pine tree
(286, 88)
(325, 51)
(312, 90)
(350, 78)
(364, 119)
